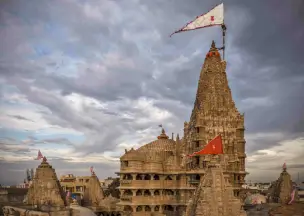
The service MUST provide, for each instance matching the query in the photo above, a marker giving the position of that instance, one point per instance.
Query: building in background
(74, 184)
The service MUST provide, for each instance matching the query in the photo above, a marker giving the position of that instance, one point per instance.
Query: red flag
(215, 146)
(40, 156)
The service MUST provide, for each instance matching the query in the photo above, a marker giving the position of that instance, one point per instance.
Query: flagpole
(224, 34)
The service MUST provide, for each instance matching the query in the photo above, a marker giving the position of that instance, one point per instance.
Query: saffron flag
(212, 18)
(215, 146)
(40, 156)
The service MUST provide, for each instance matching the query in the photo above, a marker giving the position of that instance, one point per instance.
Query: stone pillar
(133, 176)
(134, 192)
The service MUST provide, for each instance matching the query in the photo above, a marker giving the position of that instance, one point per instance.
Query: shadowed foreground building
(158, 177)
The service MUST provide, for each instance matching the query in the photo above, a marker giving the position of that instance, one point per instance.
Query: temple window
(196, 160)
(125, 163)
(128, 209)
(169, 208)
(197, 144)
(147, 177)
(147, 208)
(168, 192)
(156, 193)
(156, 208)
(197, 177)
(139, 208)
(197, 130)
(127, 177)
(204, 164)
(128, 193)
(138, 193)
(138, 177)
(178, 177)
(156, 177)
(168, 178)
(147, 193)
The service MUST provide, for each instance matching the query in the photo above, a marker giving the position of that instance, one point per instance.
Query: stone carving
(214, 196)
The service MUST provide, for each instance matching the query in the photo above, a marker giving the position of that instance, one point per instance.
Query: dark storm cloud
(265, 64)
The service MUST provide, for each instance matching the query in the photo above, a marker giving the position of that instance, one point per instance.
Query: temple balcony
(156, 200)
(152, 184)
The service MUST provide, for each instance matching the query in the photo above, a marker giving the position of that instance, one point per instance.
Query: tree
(113, 189)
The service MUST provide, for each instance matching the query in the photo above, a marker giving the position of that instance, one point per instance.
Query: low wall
(15, 211)
(11, 197)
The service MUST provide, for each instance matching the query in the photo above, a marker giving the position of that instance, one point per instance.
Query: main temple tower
(214, 113)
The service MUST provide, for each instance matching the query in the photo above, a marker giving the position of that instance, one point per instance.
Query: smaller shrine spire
(163, 135)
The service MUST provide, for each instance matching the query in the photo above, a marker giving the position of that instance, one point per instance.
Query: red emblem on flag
(215, 146)
(212, 18)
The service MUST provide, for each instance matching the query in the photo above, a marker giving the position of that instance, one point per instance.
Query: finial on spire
(163, 135)
(177, 136)
(284, 167)
(172, 136)
(213, 44)
(213, 47)
(44, 159)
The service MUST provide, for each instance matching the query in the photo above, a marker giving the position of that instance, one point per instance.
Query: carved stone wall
(215, 113)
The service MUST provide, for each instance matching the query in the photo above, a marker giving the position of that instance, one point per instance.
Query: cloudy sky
(82, 80)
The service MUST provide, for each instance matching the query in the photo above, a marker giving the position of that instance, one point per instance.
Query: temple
(215, 113)
(158, 178)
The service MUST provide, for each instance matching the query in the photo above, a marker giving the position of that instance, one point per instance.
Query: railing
(152, 184)
(147, 200)
(126, 198)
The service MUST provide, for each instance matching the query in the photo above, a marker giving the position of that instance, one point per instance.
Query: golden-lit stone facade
(159, 178)
(215, 113)
(151, 179)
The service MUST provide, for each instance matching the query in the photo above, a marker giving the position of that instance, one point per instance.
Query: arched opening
(178, 177)
(139, 193)
(156, 208)
(147, 208)
(139, 208)
(156, 193)
(197, 177)
(138, 177)
(128, 209)
(128, 193)
(168, 178)
(118, 214)
(147, 193)
(169, 208)
(147, 177)
(168, 192)
(127, 177)
(112, 214)
(156, 177)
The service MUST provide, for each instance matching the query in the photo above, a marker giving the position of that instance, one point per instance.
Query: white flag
(213, 17)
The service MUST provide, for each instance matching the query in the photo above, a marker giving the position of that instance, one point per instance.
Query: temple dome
(132, 155)
(163, 143)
